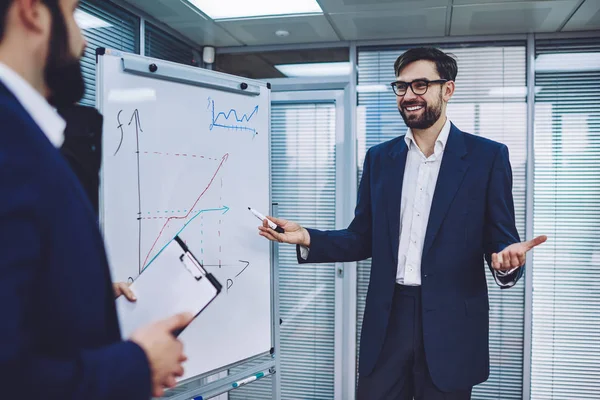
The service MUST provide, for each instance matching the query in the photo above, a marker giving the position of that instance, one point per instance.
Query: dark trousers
(401, 372)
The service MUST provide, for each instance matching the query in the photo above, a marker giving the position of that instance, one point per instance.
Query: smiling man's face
(421, 111)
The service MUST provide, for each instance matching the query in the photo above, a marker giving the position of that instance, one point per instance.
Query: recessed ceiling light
(282, 33)
(314, 69)
(227, 9)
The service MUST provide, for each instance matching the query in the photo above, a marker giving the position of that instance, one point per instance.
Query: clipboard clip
(194, 267)
(189, 261)
(190, 264)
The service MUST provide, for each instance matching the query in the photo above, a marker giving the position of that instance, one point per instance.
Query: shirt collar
(35, 104)
(441, 141)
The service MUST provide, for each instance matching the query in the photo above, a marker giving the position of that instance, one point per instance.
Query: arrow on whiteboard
(136, 116)
(247, 263)
(138, 129)
(224, 209)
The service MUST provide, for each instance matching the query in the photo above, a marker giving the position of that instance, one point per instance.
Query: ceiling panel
(510, 17)
(187, 21)
(408, 23)
(346, 6)
(587, 17)
(302, 29)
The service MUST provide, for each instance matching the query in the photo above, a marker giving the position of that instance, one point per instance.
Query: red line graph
(191, 209)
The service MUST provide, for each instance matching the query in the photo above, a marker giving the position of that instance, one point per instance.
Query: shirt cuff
(501, 277)
(304, 252)
(505, 273)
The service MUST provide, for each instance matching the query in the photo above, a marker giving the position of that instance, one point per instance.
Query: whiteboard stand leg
(276, 381)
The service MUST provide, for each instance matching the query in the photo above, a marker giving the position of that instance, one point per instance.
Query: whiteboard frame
(166, 70)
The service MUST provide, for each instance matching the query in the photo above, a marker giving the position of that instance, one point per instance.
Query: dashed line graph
(225, 120)
(190, 212)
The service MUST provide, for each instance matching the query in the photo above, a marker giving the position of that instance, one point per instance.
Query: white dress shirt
(418, 187)
(44, 115)
(420, 177)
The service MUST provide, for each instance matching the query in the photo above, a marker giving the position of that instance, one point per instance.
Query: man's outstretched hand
(294, 233)
(513, 256)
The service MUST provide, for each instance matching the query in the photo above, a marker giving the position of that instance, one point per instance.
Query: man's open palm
(513, 256)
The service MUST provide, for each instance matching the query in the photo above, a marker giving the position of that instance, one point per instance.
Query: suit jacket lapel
(452, 172)
(396, 163)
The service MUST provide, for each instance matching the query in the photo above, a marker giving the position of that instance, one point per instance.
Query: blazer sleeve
(119, 371)
(350, 244)
(500, 228)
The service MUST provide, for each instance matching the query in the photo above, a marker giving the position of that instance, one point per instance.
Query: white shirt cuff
(304, 252)
(501, 274)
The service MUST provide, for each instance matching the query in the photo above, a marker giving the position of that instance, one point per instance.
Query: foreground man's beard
(62, 74)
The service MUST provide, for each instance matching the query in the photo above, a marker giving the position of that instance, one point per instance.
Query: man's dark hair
(4, 6)
(444, 63)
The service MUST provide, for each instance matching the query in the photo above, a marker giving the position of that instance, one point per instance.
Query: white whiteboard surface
(190, 160)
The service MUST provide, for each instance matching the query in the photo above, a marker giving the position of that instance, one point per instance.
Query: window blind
(489, 101)
(104, 25)
(566, 273)
(303, 183)
(160, 44)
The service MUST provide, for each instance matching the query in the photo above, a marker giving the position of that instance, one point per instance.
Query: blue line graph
(240, 123)
(200, 212)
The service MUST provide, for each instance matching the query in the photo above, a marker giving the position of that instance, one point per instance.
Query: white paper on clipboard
(175, 282)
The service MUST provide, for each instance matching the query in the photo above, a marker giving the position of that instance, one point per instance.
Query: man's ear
(448, 90)
(34, 15)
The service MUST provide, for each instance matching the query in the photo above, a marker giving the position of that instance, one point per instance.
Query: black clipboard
(174, 282)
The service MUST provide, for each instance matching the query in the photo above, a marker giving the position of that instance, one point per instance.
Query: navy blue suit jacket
(59, 333)
(472, 216)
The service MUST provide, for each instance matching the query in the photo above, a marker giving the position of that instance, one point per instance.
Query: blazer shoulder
(482, 144)
(384, 147)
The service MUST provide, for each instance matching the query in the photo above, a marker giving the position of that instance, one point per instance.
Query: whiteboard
(186, 151)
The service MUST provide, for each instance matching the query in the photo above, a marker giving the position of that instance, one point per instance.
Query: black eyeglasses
(418, 86)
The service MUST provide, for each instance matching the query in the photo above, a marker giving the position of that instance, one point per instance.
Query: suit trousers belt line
(404, 290)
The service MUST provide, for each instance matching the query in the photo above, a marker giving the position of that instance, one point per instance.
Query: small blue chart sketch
(231, 119)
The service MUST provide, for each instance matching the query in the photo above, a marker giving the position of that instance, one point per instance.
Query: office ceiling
(345, 20)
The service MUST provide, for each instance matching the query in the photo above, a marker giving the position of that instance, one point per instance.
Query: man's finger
(501, 258)
(495, 264)
(170, 382)
(267, 235)
(179, 371)
(521, 259)
(177, 321)
(278, 221)
(127, 292)
(158, 391)
(514, 260)
(530, 244)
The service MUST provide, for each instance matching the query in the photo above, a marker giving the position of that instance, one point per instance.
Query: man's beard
(62, 74)
(429, 116)
(65, 82)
